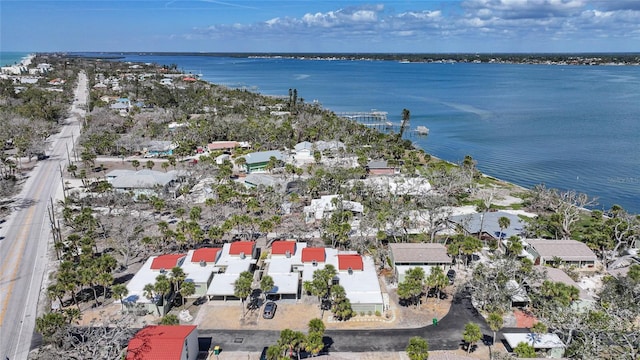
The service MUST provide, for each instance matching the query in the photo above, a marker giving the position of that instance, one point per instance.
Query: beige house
(405, 256)
(569, 252)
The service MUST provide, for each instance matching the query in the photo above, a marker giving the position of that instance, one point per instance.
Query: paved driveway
(446, 336)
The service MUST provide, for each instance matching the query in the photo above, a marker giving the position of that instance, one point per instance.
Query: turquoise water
(569, 127)
(11, 58)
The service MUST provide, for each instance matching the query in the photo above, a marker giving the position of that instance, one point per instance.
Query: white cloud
(482, 20)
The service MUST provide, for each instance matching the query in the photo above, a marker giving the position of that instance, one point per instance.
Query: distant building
(145, 181)
(381, 167)
(325, 206)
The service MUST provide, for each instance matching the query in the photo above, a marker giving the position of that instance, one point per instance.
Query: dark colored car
(451, 274)
(269, 310)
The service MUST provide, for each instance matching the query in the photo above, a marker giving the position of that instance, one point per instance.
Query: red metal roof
(159, 342)
(350, 261)
(166, 262)
(245, 247)
(310, 254)
(281, 247)
(205, 254)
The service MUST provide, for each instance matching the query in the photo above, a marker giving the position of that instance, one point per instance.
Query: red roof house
(164, 342)
(205, 254)
(166, 262)
(282, 247)
(242, 247)
(310, 254)
(353, 262)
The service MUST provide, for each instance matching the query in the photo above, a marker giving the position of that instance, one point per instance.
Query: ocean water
(568, 127)
(11, 58)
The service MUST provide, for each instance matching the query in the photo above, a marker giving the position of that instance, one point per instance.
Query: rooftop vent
(242, 255)
(350, 271)
(203, 263)
(287, 253)
(314, 263)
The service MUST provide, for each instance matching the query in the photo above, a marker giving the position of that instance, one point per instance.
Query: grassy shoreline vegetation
(104, 232)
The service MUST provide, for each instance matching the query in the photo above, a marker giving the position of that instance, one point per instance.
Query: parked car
(269, 310)
(451, 274)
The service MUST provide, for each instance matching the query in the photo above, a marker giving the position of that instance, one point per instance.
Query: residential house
(235, 258)
(381, 167)
(357, 275)
(222, 145)
(145, 181)
(285, 267)
(160, 148)
(550, 343)
(327, 204)
(405, 256)
(254, 180)
(200, 266)
(258, 161)
(584, 301)
(137, 299)
(121, 104)
(568, 252)
(396, 185)
(486, 224)
(167, 342)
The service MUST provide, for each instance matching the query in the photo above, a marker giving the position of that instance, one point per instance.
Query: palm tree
(471, 335)
(242, 287)
(266, 284)
(418, 348)
(495, 323)
(120, 291)
(187, 289)
(177, 277)
(503, 223)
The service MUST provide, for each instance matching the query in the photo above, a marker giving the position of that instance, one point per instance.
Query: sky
(352, 26)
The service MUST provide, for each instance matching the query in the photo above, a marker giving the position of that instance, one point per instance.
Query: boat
(422, 130)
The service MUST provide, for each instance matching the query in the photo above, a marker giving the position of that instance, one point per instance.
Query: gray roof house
(471, 224)
(144, 181)
(405, 256)
(570, 252)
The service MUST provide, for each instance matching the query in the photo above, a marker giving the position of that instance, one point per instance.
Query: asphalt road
(447, 335)
(25, 236)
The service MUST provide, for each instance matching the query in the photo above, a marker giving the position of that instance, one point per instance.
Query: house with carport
(166, 342)
(200, 268)
(568, 252)
(547, 342)
(136, 300)
(406, 256)
(285, 267)
(357, 275)
(235, 258)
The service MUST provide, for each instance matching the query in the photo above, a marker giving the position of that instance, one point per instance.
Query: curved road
(447, 335)
(25, 237)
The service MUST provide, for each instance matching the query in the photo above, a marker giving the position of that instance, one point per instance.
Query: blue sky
(427, 26)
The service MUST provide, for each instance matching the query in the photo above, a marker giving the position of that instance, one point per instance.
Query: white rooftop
(538, 341)
(137, 283)
(197, 272)
(362, 287)
(222, 285)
